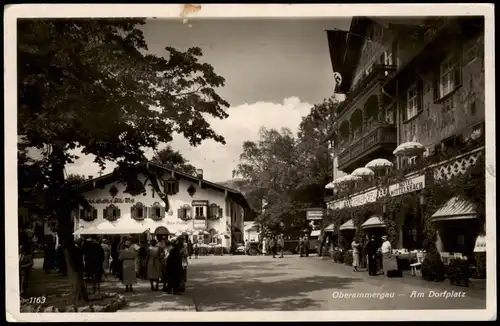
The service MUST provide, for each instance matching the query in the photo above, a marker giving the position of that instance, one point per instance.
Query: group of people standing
(377, 257)
(162, 262)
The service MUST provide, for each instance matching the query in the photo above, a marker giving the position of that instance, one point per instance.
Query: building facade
(210, 212)
(410, 80)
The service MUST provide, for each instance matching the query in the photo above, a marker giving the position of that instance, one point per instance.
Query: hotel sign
(200, 224)
(409, 185)
(115, 200)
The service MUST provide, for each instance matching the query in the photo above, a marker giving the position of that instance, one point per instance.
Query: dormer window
(171, 186)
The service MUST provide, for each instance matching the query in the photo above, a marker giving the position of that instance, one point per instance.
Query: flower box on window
(157, 212)
(139, 211)
(111, 213)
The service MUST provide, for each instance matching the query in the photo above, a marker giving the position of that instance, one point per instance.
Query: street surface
(229, 283)
(293, 283)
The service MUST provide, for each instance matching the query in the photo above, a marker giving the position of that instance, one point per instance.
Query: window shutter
(179, 213)
(94, 213)
(435, 87)
(105, 213)
(118, 212)
(145, 212)
(404, 103)
(176, 186)
(132, 212)
(420, 95)
(162, 212)
(220, 212)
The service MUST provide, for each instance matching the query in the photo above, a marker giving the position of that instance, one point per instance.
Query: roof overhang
(235, 195)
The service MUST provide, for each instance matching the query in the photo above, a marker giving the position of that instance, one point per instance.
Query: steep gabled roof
(112, 177)
(345, 49)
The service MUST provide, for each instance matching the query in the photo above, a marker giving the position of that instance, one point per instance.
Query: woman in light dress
(128, 256)
(388, 261)
(355, 245)
(107, 253)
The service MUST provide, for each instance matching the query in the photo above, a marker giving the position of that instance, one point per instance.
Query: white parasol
(411, 148)
(362, 172)
(351, 178)
(379, 164)
(331, 185)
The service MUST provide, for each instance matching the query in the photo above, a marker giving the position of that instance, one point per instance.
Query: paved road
(293, 283)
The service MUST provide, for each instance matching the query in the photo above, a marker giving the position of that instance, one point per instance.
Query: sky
(275, 71)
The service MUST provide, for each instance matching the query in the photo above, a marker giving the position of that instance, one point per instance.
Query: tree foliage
(90, 84)
(289, 171)
(168, 157)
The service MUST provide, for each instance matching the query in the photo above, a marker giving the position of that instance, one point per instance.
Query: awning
(480, 245)
(118, 227)
(373, 222)
(315, 233)
(330, 228)
(349, 225)
(455, 209)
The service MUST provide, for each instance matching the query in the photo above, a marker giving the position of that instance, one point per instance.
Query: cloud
(243, 123)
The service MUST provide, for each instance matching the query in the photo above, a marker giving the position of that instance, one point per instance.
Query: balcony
(381, 140)
(377, 73)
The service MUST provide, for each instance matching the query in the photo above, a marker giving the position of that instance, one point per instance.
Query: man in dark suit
(371, 252)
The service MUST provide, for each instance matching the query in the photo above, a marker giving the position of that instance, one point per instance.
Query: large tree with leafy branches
(91, 84)
(290, 172)
(171, 158)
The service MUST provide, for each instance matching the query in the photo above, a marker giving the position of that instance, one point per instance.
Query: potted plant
(478, 271)
(458, 272)
(432, 267)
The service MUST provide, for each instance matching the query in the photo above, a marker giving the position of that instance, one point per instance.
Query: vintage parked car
(240, 249)
(254, 248)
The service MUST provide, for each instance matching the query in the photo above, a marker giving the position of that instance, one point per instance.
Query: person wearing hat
(371, 253)
(128, 257)
(94, 262)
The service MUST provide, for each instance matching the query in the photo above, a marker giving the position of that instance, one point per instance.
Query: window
(449, 76)
(389, 115)
(138, 211)
(387, 59)
(88, 214)
(214, 211)
(184, 213)
(411, 102)
(171, 186)
(111, 213)
(157, 212)
(198, 211)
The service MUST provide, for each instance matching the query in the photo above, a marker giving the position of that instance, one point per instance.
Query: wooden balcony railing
(442, 171)
(381, 135)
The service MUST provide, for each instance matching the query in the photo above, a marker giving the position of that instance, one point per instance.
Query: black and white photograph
(259, 162)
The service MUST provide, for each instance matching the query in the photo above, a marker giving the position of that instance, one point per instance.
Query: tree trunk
(64, 218)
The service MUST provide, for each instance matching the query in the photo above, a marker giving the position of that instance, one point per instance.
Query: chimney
(199, 173)
(90, 177)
